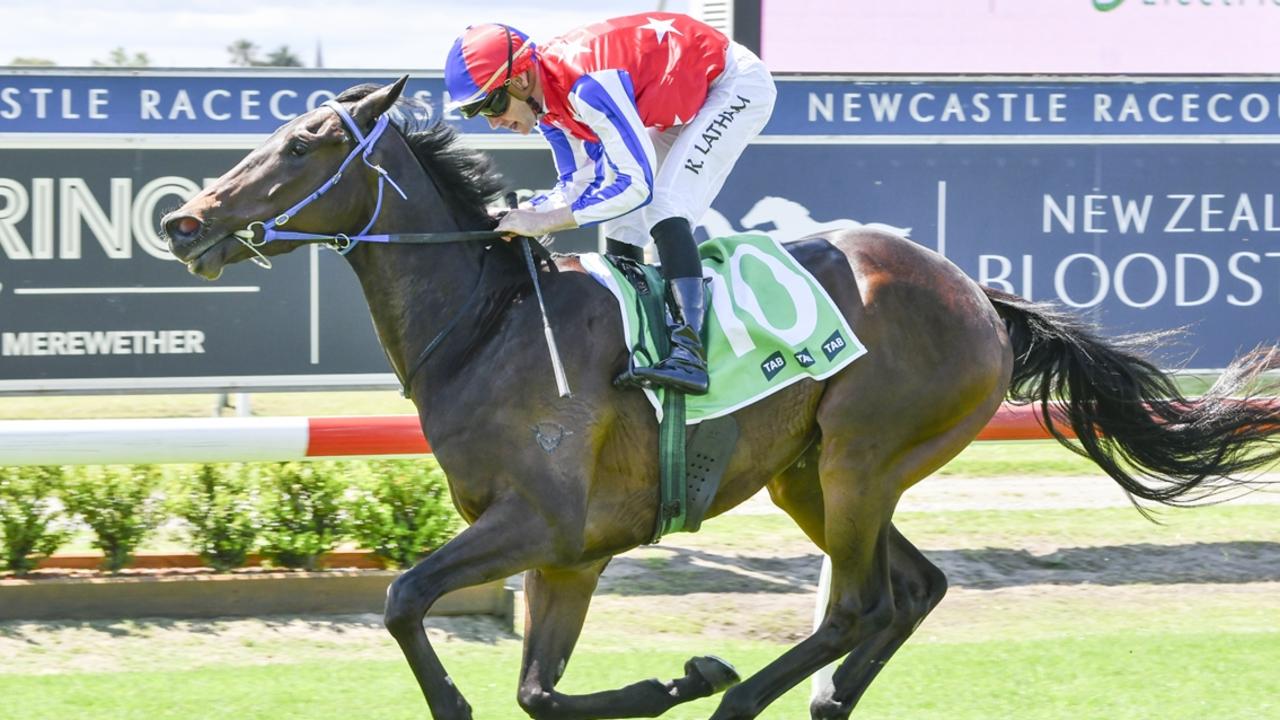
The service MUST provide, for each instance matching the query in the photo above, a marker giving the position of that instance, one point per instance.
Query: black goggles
(491, 105)
(496, 102)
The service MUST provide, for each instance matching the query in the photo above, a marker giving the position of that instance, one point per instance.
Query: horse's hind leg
(857, 502)
(556, 605)
(918, 587)
(845, 507)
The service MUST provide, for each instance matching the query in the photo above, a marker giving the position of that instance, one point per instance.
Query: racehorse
(555, 486)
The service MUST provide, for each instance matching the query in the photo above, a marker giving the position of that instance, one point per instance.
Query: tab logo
(833, 345)
(1106, 5)
(773, 365)
(805, 358)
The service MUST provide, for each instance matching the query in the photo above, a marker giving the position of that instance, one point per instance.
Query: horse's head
(274, 185)
(773, 209)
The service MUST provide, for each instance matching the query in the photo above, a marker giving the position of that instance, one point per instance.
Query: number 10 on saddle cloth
(770, 324)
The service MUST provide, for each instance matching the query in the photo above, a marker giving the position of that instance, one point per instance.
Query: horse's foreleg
(506, 539)
(918, 587)
(557, 602)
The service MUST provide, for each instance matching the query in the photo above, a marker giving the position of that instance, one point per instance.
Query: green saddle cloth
(769, 324)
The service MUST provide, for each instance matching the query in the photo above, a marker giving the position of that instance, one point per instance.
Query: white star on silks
(661, 27)
(571, 49)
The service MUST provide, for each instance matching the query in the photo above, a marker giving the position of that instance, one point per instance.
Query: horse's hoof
(717, 673)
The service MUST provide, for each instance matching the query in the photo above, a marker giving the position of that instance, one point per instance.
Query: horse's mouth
(206, 263)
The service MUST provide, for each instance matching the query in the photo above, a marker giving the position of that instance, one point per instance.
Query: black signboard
(91, 300)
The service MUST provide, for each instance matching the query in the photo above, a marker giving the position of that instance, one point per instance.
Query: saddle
(770, 324)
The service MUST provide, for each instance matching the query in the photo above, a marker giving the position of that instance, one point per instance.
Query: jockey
(646, 115)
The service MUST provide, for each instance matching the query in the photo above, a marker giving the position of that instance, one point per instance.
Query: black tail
(1129, 417)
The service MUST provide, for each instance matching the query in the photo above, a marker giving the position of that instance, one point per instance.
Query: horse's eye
(298, 148)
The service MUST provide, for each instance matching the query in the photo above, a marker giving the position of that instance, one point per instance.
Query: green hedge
(31, 522)
(121, 504)
(291, 513)
(220, 506)
(399, 510)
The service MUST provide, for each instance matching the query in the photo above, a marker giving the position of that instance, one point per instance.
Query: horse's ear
(378, 101)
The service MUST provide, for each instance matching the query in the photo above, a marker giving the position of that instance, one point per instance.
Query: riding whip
(562, 381)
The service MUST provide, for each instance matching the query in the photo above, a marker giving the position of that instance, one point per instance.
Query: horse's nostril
(183, 227)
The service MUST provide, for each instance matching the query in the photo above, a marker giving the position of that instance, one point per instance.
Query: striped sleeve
(576, 168)
(623, 178)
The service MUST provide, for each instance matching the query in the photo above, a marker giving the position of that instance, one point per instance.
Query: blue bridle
(341, 242)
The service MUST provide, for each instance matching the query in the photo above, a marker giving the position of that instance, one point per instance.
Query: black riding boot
(685, 369)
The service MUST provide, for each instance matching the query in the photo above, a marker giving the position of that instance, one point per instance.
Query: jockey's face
(519, 116)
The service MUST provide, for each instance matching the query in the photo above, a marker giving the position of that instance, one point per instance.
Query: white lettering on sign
(182, 107)
(1187, 107)
(932, 107)
(127, 218)
(221, 104)
(207, 104)
(274, 104)
(155, 104)
(42, 103)
(1174, 213)
(102, 342)
(79, 207)
(1042, 106)
(1142, 280)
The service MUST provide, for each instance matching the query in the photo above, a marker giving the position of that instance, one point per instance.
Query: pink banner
(1021, 36)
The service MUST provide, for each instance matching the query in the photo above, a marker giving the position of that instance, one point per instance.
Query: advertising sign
(1099, 108)
(1021, 36)
(243, 109)
(91, 299)
(226, 103)
(1136, 237)
(1147, 204)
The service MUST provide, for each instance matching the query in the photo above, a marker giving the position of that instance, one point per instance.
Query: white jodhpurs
(694, 159)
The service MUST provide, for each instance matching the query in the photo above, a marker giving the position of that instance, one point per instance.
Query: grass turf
(1168, 676)
(1020, 528)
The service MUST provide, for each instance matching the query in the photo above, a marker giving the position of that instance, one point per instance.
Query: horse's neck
(414, 291)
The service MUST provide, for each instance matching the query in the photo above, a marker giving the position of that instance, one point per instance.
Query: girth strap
(689, 468)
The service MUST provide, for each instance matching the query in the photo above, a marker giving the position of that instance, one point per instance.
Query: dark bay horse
(554, 487)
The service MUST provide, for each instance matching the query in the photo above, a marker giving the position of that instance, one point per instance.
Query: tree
(283, 57)
(245, 54)
(32, 62)
(119, 57)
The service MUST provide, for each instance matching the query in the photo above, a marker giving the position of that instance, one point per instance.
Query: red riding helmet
(482, 60)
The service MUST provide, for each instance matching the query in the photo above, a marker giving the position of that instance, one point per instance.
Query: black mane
(466, 177)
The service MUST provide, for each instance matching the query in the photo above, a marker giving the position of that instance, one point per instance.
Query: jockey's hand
(527, 223)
